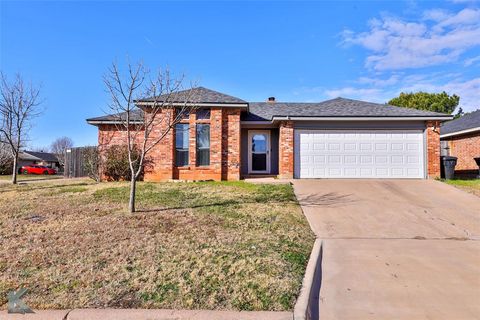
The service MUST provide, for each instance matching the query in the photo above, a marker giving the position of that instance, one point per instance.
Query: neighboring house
(47, 159)
(461, 139)
(228, 139)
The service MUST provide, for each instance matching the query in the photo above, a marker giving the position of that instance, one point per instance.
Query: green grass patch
(474, 183)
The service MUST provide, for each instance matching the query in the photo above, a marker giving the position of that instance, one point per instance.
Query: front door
(259, 151)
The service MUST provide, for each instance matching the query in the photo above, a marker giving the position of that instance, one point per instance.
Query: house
(26, 158)
(461, 139)
(228, 138)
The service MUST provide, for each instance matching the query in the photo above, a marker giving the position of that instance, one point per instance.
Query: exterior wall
(214, 170)
(225, 158)
(433, 148)
(273, 149)
(465, 148)
(231, 160)
(285, 150)
(109, 135)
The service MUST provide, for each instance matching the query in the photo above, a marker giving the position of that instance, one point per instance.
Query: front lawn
(27, 177)
(206, 245)
(469, 185)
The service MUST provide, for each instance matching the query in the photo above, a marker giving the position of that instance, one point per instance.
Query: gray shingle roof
(265, 111)
(45, 156)
(338, 107)
(135, 115)
(198, 95)
(468, 121)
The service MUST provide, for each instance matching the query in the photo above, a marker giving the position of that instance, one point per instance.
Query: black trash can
(477, 160)
(448, 166)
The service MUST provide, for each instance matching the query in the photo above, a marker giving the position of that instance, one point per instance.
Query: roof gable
(199, 95)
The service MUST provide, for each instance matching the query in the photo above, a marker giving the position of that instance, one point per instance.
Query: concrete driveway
(395, 249)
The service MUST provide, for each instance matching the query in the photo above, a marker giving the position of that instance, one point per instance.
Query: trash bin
(477, 160)
(448, 166)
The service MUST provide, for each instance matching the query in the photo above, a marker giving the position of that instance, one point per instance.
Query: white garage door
(359, 154)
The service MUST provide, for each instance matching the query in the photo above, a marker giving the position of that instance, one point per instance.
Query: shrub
(116, 166)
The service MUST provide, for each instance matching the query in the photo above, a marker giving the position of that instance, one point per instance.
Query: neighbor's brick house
(227, 138)
(461, 139)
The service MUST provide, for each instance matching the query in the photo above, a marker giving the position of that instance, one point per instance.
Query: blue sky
(295, 51)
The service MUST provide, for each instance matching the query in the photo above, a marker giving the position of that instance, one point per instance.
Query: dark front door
(259, 151)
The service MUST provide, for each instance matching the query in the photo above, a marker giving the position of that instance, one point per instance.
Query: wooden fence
(74, 162)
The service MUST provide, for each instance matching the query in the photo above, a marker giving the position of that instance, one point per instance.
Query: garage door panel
(359, 154)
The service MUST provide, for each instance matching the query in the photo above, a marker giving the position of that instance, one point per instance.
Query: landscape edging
(306, 307)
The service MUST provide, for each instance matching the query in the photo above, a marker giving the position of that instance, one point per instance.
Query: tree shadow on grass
(217, 203)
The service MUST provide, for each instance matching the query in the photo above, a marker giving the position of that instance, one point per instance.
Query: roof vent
(271, 99)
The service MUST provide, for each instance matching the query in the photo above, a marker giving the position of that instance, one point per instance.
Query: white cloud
(469, 62)
(441, 37)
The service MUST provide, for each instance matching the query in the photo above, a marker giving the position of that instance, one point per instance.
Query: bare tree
(145, 123)
(91, 162)
(58, 148)
(19, 104)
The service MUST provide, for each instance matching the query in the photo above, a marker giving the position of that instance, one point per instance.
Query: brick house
(461, 139)
(227, 138)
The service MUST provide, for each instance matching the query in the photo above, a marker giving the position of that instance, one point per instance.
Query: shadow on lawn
(218, 203)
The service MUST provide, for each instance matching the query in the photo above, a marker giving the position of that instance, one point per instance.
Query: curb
(306, 307)
(146, 314)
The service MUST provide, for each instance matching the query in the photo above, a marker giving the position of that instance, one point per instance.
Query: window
(184, 114)
(203, 144)
(181, 144)
(203, 114)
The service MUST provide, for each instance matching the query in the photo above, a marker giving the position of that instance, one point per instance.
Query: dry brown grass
(194, 245)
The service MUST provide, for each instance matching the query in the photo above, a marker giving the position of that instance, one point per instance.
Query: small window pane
(181, 136)
(181, 157)
(181, 144)
(203, 114)
(184, 114)
(203, 157)
(203, 144)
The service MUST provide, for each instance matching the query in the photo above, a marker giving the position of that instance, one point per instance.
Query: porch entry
(259, 151)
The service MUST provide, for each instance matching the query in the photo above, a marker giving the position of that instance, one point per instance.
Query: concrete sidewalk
(146, 314)
(395, 249)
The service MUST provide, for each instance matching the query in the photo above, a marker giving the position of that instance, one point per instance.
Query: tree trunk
(133, 186)
(14, 173)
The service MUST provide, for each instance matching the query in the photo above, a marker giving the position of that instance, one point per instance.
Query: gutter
(180, 104)
(458, 133)
(441, 118)
(96, 122)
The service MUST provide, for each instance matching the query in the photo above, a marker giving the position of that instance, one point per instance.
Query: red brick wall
(433, 148)
(465, 148)
(231, 144)
(110, 135)
(214, 170)
(224, 148)
(161, 156)
(285, 146)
